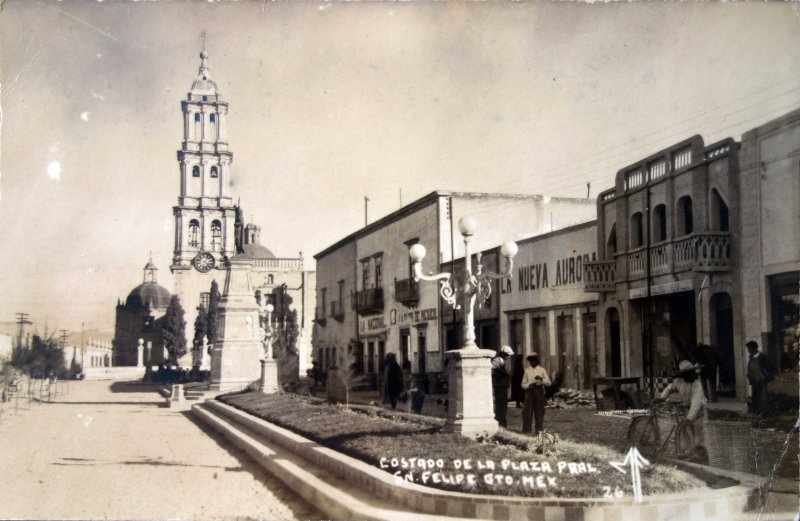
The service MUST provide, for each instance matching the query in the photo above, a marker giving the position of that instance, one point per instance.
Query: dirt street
(112, 451)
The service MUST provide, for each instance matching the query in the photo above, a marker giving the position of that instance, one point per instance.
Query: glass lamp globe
(417, 252)
(509, 249)
(467, 225)
(270, 308)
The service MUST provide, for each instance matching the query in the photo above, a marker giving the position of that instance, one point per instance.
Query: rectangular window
(365, 274)
(379, 271)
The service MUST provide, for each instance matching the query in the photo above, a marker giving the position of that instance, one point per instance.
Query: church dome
(148, 293)
(255, 251)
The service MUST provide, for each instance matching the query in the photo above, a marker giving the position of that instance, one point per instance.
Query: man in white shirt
(534, 382)
(686, 385)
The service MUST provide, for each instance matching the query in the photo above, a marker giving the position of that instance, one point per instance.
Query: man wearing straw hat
(689, 391)
(534, 381)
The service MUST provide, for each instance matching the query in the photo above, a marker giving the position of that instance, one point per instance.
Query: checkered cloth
(660, 383)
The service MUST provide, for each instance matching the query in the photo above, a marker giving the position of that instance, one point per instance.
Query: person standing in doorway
(759, 376)
(500, 384)
(534, 382)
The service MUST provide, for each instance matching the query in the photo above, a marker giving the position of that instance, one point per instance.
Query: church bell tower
(205, 214)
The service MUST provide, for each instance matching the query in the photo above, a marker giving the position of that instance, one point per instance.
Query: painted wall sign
(662, 289)
(548, 270)
(568, 270)
(374, 323)
(415, 316)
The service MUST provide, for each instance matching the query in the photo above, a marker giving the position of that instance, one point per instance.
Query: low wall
(114, 373)
(722, 504)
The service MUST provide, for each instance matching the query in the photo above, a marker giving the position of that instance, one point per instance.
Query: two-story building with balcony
(666, 274)
(367, 302)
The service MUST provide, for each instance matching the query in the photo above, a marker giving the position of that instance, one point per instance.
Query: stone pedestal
(269, 377)
(471, 408)
(235, 358)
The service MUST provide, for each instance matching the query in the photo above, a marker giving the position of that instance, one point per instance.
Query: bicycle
(645, 433)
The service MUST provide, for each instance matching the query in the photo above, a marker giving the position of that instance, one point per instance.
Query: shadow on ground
(271, 482)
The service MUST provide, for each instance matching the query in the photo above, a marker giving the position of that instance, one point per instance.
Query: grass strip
(414, 448)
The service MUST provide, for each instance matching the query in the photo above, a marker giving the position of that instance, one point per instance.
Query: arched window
(195, 171)
(660, 223)
(212, 126)
(719, 213)
(611, 244)
(197, 126)
(270, 279)
(684, 220)
(216, 236)
(214, 172)
(194, 229)
(636, 235)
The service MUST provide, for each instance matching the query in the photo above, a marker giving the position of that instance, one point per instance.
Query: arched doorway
(614, 351)
(721, 314)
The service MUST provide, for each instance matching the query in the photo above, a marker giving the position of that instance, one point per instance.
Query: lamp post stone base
(471, 406)
(269, 377)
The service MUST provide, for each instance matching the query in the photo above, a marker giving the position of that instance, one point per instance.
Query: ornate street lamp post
(470, 411)
(269, 368)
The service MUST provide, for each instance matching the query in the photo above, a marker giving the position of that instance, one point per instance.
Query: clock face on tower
(203, 262)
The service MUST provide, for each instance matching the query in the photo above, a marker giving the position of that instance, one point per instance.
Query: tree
(200, 331)
(42, 357)
(174, 331)
(213, 313)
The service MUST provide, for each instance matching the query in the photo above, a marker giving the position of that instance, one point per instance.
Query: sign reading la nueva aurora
(540, 275)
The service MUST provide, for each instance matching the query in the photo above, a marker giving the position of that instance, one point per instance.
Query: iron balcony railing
(320, 316)
(406, 291)
(337, 310)
(369, 301)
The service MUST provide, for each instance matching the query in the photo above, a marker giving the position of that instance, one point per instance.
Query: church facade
(139, 317)
(210, 229)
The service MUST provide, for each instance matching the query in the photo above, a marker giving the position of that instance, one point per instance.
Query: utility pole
(366, 200)
(401, 197)
(64, 338)
(22, 320)
(647, 330)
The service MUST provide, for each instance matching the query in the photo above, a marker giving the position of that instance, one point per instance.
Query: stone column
(140, 353)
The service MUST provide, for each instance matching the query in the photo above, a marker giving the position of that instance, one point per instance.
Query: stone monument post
(140, 353)
(236, 353)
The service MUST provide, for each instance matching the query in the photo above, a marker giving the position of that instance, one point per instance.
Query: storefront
(545, 307)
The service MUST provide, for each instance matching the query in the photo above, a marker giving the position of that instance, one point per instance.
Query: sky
(333, 102)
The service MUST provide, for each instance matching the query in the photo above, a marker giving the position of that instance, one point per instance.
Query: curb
(719, 504)
(331, 494)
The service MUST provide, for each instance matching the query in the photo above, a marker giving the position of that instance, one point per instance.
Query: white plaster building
(367, 302)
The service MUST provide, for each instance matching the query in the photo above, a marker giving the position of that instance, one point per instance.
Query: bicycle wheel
(643, 431)
(684, 439)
